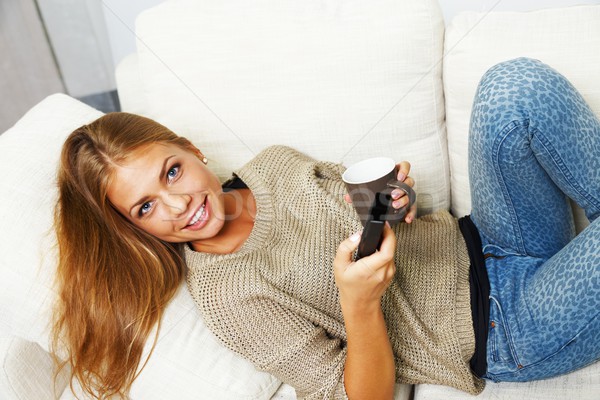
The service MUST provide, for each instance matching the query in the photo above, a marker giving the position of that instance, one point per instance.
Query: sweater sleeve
(288, 346)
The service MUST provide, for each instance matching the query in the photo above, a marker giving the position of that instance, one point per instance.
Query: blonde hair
(114, 280)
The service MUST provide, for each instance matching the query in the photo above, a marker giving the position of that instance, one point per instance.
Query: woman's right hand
(362, 283)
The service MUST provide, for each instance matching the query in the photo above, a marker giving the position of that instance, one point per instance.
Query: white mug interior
(368, 170)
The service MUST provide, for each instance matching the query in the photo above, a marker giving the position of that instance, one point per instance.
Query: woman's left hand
(400, 199)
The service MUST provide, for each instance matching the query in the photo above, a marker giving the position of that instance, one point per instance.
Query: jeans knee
(511, 73)
(520, 64)
(518, 81)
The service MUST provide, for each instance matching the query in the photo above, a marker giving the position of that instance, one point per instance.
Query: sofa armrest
(28, 371)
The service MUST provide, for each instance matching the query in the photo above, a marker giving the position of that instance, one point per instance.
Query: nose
(176, 204)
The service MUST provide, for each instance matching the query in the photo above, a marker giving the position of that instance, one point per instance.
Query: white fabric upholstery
(29, 153)
(579, 385)
(27, 371)
(339, 80)
(131, 88)
(568, 39)
(187, 362)
(237, 75)
(286, 392)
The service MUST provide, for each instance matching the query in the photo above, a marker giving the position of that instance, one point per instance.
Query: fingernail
(401, 176)
(396, 204)
(355, 237)
(395, 194)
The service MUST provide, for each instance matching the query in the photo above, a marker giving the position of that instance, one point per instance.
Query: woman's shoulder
(291, 157)
(277, 161)
(281, 153)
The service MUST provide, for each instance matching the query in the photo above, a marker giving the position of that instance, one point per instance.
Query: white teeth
(197, 216)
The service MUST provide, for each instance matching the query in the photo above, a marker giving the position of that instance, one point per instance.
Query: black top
(480, 294)
(233, 183)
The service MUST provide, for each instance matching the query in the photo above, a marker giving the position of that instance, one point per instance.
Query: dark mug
(376, 175)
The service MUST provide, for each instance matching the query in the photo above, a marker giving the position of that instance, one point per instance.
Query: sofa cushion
(29, 152)
(187, 363)
(579, 385)
(27, 371)
(567, 39)
(339, 80)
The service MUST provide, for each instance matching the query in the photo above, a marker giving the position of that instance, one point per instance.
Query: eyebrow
(163, 170)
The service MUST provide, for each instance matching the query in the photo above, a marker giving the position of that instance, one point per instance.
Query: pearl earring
(201, 156)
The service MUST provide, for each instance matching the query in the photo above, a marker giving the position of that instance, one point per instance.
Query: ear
(199, 154)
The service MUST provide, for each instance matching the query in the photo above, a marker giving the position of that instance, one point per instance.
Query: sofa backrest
(339, 80)
(567, 39)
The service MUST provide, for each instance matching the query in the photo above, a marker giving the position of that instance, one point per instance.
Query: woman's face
(169, 193)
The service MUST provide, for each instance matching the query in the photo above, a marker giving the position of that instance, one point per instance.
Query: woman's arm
(369, 370)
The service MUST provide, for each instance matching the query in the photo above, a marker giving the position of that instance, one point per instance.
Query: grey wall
(28, 72)
(79, 37)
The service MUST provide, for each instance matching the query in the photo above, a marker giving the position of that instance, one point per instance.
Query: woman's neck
(240, 211)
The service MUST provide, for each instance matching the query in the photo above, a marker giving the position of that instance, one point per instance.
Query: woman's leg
(534, 142)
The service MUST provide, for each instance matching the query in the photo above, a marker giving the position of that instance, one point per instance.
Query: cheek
(156, 225)
(218, 204)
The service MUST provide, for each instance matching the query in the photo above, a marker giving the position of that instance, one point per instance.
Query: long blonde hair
(114, 280)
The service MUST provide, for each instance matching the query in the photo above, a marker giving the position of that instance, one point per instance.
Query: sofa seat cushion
(583, 384)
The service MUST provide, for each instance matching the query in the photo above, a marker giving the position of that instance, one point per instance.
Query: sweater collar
(262, 222)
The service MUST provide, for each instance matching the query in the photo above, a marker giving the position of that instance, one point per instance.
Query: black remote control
(372, 235)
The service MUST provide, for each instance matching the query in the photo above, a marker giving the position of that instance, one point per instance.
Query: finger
(386, 251)
(401, 202)
(348, 198)
(397, 192)
(388, 244)
(345, 251)
(409, 181)
(403, 170)
(411, 215)
(391, 271)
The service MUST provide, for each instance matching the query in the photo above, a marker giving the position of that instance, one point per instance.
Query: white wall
(120, 15)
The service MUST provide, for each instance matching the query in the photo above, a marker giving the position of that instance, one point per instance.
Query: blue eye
(172, 173)
(145, 208)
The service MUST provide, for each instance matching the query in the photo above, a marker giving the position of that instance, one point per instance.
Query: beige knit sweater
(275, 301)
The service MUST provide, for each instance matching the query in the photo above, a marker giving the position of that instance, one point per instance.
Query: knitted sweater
(275, 301)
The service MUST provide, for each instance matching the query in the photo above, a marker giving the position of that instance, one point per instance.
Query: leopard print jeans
(535, 143)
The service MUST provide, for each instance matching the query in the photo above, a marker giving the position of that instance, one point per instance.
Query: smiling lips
(200, 217)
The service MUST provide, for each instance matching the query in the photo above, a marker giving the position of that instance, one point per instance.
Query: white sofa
(340, 80)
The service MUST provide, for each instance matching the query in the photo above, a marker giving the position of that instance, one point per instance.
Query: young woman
(506, 294)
